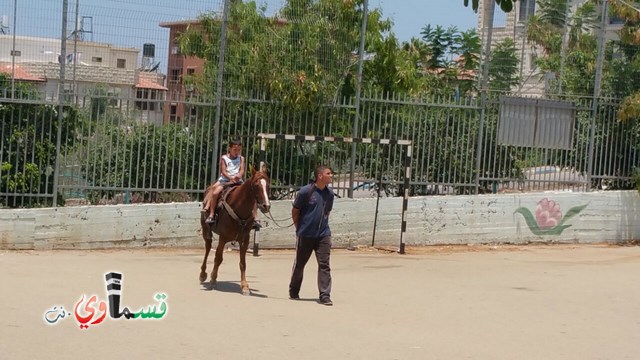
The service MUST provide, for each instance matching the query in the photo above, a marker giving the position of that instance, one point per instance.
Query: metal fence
(99, 124)
(107, 153)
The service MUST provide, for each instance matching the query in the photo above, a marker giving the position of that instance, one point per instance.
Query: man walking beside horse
(310, 215)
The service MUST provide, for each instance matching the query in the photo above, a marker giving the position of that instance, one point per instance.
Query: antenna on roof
(85, 26)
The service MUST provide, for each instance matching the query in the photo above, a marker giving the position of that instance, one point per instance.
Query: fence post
(484, 81)
(596, 91)
(13, 51)
(61, 61)
(216, 125)
(363, 32)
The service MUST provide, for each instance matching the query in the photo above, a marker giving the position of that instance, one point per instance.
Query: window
(173, 111)
(189, 86)
(68, 93)
(146, 94)
(192, 110)
(175, 49)
(121, 63)
(175, 75)
(96, 59)
(526, 10)
(114, 97)
(616, 20)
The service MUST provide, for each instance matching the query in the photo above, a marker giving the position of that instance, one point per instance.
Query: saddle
(222, 200)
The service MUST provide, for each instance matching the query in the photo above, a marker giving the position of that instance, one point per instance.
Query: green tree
(28, 134)
(545, 30)
(468, 48)
(503, 66)
(301, 56)
(440, 42)
(145, 156)
(627, 67)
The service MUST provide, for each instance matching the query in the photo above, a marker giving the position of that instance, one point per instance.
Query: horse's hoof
(246, 292)
(212, 284)
(203, 277)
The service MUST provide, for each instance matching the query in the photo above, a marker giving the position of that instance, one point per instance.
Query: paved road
(535, 303)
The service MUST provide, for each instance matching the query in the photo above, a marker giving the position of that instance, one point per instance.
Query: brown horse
(234, 223)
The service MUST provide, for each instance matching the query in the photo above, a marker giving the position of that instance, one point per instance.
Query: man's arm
(330, 203)
(295, 215)
(298, 204)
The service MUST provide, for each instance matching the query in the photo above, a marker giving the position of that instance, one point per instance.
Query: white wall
(612, 216)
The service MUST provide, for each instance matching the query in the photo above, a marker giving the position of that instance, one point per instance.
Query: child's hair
(234, 142)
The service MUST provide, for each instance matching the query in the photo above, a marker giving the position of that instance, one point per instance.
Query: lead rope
(270, 216)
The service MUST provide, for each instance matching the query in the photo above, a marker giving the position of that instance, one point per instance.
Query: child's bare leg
(207, 200)
(209, 203)
(213, 199)
(213, 203)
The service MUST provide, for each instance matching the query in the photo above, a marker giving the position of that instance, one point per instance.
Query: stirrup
(256, 225)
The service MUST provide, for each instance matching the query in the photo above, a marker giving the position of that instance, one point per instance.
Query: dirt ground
(446, 302)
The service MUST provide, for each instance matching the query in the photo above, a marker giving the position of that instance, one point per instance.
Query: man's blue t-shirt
(314, 211)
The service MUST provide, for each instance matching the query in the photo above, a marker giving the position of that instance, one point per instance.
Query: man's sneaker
(326, 301)
(210, 220)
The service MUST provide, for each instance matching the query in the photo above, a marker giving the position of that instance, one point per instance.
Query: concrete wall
(612, 216)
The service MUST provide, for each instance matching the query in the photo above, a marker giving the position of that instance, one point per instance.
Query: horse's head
(260, 188)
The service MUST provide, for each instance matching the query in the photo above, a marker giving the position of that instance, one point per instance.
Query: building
(89, 65)
(178, 66)
(513, 25)
(181, 67)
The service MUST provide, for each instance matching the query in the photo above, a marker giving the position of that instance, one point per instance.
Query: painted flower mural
(548, 218)
(548, 214)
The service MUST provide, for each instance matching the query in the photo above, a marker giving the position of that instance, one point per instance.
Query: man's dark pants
(304, 248)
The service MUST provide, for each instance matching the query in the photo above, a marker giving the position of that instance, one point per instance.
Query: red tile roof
(20, 73)
(148, 84)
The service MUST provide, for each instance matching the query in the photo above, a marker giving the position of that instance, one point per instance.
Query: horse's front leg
(217, 260)
(244, 245)
(208, 239)
(203, 268)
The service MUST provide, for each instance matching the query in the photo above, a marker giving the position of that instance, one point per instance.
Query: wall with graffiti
(563, 217)
(521, 218)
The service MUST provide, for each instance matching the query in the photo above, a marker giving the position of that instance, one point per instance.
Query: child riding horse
(234, 223)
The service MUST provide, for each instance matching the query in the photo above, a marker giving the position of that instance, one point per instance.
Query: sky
(410, 16)
(131, 23)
